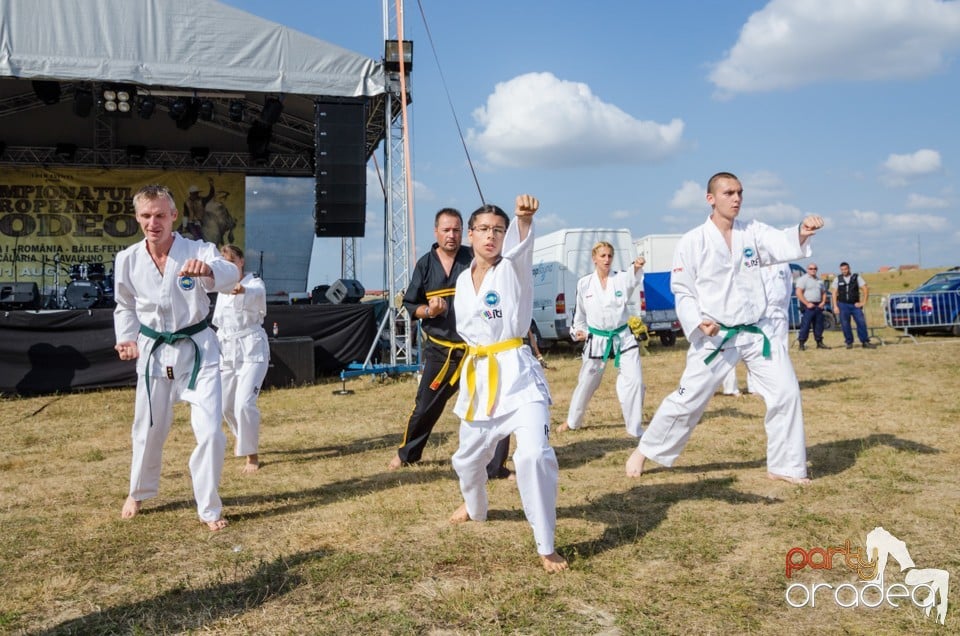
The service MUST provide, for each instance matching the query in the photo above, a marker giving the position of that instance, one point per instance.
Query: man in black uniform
(433, 283)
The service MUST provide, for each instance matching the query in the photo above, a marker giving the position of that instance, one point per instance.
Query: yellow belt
(493, 370)
(446, 365)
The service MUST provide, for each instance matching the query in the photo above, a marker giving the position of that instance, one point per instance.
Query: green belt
(734, 330)
(170, 337)
(612, 336)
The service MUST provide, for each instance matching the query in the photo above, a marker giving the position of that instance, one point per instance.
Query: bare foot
(460, 515)
(512, 476)
(563, 428)
(219, 524)
(250, 467)
(635, 464)
(130, 508)
(553, 562)
(799, 481)
(395, 463)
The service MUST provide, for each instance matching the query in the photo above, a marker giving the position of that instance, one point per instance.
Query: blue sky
(615, 113)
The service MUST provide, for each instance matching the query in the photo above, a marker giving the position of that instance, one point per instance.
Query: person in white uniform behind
(778, 285)
(721, 304)
(503, 390)
(244, 356)
(600, 319)
(161, 286)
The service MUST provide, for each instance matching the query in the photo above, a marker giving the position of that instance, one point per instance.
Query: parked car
(934, 306)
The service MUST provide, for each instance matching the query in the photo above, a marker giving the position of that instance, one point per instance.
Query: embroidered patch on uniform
(169, 373)
(618, 293)
(187, 283)
(748, 253)
(492, 299)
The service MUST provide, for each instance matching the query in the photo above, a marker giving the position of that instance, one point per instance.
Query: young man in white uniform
(600, 318)
(778, 284)
(721, 304)
(244, 357)
(161, 288)
(502, 386)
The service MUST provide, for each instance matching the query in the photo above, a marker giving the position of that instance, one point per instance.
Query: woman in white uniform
(244, 357)
(503, 390)
(600, 319)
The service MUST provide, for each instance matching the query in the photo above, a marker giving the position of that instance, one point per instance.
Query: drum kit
(90, 287)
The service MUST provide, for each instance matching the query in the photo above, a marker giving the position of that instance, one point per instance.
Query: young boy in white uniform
(502, 386)
(600, 318)
(244, 357)
(721, 304)
(161, 288)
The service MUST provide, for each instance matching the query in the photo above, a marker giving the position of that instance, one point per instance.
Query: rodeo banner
(60, 226)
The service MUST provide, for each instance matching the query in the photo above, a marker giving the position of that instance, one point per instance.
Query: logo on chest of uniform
(492, 301)
(187, 283)
(750, 258)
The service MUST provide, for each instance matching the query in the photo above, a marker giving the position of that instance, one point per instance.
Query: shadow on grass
(356, 447)
(806, 385)
(630, 515)
(181, 610)
(828, 458)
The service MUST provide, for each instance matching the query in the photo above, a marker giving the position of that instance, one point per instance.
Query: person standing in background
(812, 296)
(244, 357)
(850, 293)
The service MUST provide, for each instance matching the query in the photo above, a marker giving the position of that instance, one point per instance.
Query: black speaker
(340, 155)
(19, 296)
(291, 362)
(345, 290)
(319, 295)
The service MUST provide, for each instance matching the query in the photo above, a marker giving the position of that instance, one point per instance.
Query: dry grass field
(325, 540)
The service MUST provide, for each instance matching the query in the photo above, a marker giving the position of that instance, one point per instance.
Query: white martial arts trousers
(534, 460)
(206, 461)
(629, 389)
(773, 378)
(241, 387)
(729, 386)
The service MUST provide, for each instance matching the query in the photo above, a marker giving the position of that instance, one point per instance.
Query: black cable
(443, 81)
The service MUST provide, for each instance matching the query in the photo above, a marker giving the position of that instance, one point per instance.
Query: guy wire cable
(456, 121)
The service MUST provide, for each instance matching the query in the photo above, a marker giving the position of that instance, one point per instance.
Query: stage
(67, 350)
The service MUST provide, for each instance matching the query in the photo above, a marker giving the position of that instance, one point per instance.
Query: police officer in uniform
(850, 294)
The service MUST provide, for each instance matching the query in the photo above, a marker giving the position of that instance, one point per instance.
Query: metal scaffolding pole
(397, 234)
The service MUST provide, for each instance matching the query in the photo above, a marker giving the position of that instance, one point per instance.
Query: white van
(559, 260)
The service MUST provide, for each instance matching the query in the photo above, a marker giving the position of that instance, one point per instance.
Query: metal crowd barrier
(920, 312)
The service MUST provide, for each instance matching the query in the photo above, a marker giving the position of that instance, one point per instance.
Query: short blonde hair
(600, 244)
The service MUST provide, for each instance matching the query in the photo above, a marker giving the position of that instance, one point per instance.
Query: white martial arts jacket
(711, 281)
(239, 322)
(606, 309)
(778, 282)
(501, 310)
(168, 303)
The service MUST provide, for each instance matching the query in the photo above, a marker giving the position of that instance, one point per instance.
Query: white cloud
(899, 170)
(539, 120)
(773, 214)
(923, 202)
(691, 197)
(792, 43)
(762, 187)
(915, 222)
(619, 215)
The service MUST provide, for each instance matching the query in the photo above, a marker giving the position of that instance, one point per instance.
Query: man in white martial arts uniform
(721, 303)
(600, 318)
(503, 390)
(778, 285)
(244, 357)
(161, 288)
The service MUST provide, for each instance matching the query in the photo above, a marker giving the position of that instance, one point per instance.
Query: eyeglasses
(813, 268)
(496, 230)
